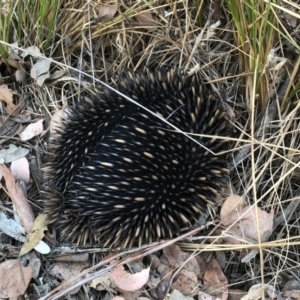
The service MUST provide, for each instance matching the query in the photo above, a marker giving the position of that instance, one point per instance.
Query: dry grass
(250, 55)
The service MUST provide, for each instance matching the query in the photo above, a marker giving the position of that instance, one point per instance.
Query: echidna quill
(120, 176)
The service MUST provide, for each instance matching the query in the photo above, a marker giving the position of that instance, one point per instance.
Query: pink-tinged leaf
(129, 282)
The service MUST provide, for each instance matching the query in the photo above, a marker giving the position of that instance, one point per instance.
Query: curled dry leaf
(32, 130)
(14, 278)
(129, 282)
(7, 96)
(16, 195)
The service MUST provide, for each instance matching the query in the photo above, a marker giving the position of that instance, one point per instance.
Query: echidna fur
(120, 176)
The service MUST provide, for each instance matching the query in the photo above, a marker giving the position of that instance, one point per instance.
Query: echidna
(118, 174)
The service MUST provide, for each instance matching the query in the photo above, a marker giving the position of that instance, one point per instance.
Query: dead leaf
(129, 282)
(176, 295)
(185, 283)
(257, 292)
(249, 222)
(12, 228)
(106, 13)
(20, 169)
(232, 205)
(33, 51)
(40, 71)
(67, 271)
(32, 130)
(12, 153)
(35, 262)
(16, 195)
(166, 278)
(205, 296)
(102, 283)
(292, 289)
(14, 278)
(21, 75)
(7, 96)
(243, 221)
(145, 18)
(214, 280)
(176, 257)
(36, 234)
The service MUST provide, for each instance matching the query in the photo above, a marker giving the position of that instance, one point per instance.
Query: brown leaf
(245, 221)
(14, 278)
(129, 282)
(185, 283)
(176, 258)
(67, 271)
(214, 280)
(16, 195)
(6, 95)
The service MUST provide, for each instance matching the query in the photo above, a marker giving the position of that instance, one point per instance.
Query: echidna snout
(121, 176)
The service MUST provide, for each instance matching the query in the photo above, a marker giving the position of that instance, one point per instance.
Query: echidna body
(119, 175)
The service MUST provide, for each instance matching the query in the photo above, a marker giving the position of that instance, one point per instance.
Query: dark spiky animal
(119, 175)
